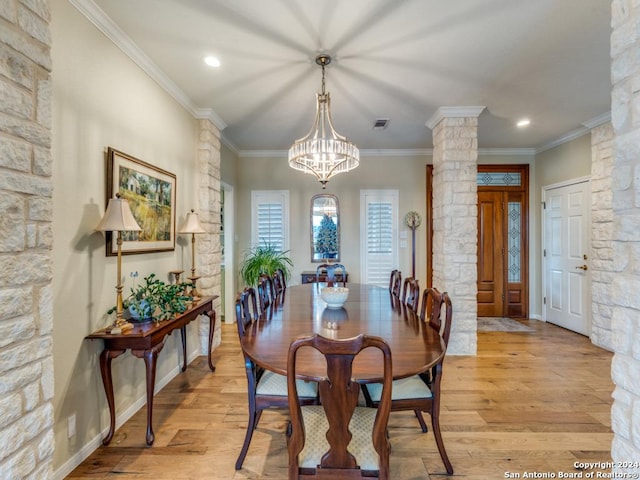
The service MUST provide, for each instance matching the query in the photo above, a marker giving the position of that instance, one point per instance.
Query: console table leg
(107, 383)
(212, 326)
(183, 335)
(150, 360)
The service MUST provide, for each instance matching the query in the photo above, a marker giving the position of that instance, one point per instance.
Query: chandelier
(323, 152)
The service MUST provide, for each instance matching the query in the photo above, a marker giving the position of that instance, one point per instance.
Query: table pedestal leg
(107, 382)
(150, 360)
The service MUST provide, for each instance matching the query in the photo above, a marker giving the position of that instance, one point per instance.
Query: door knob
(583, 267)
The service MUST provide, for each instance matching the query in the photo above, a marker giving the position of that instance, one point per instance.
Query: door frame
(229, 270)
(543, 196)
(523, 169)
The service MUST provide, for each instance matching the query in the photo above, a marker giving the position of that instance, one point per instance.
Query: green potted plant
(261, 259)
(156, 300)
(327, 239)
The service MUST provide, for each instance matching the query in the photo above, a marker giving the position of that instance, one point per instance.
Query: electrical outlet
(71, 425)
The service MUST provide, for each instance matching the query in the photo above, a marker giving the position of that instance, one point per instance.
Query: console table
(146, 341)
(311, 277)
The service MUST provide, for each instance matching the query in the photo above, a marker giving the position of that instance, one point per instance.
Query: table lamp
(192, 225)
(118, 218)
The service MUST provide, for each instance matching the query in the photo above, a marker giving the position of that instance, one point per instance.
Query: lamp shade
(192, 224)
(118, 217)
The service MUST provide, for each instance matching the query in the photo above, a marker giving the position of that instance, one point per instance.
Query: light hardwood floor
(528, 402)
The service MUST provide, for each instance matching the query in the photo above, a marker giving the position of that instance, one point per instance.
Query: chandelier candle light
(192, 225)
(118, 218)
(323, 152)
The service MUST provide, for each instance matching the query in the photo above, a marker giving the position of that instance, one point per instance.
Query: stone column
(601, 261)
(209, 249)
(625, 287)
(26, 299)
(455, 219)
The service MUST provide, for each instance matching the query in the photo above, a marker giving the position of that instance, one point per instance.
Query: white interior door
(567, 249)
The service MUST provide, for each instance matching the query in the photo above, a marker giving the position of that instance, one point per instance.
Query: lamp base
(176, 274)
(194, 291)
(120, 326)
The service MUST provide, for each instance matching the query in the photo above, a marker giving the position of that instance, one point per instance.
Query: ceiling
(547, 60)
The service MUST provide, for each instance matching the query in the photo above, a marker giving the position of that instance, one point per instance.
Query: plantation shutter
(270, 219)
(379, 213)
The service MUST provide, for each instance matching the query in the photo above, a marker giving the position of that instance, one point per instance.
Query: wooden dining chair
(421, 393)
(279, 286)
(395, 282)
(338, 439)
(330, 269)
(266, 389)
(266, 293)
(411, 293)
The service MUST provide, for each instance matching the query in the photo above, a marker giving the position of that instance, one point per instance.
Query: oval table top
(415, 347)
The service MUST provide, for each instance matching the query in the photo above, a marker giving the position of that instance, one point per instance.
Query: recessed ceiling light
(523, 123)
(212, 61)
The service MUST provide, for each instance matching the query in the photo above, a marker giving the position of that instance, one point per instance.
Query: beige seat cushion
(274, 384)
(411, 387)
(316, 445)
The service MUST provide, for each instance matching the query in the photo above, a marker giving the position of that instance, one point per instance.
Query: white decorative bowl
(334, 296)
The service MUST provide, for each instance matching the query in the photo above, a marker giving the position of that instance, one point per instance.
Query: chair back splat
(395, 283)
(279, 286)
(338, 439)
(266, 294)
(411, 293)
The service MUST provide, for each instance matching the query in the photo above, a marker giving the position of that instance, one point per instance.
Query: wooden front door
(503, 239)
(491, 254)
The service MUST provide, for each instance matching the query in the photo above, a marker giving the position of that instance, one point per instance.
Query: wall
(101, 98)
(625, 119)
(26, 314)
(406, 174)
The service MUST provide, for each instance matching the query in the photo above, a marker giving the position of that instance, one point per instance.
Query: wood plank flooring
(528, 402)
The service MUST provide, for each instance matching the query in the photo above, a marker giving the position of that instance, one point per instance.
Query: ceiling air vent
(380, 124)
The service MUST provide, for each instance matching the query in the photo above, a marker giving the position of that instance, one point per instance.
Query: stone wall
(625, 287)
(455, 225)
(26, 303)
(209, 256)
(601, 234)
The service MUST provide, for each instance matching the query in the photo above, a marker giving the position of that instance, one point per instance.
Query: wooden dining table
(369, 309)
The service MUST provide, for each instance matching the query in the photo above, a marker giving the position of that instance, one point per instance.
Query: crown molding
(415, 152)
(101, 20)
(229, 144)
(211, 115)
(505, 152)
(453, 112)
(577, 133)
(597, 121)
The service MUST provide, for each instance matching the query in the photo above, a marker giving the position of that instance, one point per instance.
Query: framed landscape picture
(151, 193)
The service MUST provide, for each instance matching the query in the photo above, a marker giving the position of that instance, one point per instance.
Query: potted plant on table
(264, 259)
(155, 300)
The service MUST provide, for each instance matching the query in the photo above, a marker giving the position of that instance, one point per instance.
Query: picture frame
(151, 193)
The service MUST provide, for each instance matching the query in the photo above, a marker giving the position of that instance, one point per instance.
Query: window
(270, 218)
(379, 240)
